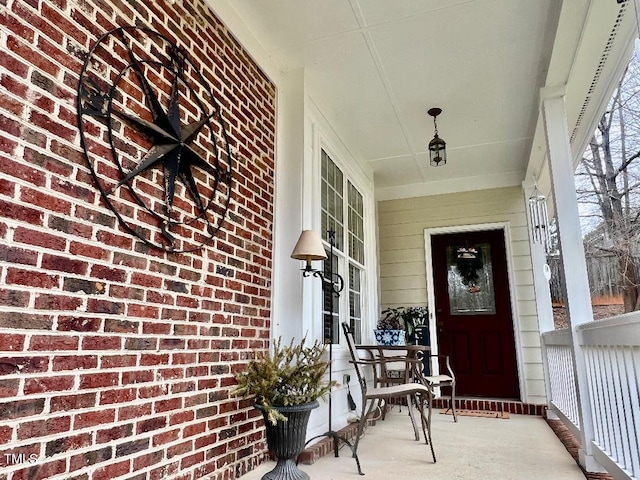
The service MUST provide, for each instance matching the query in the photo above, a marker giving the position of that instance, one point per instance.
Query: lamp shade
(309, 247)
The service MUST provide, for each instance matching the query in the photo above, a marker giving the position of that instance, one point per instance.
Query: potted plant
(390, 329)
(287, 384)
(398, 324)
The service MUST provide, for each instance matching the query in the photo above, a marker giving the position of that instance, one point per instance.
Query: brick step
(510, 406)
(572, 445)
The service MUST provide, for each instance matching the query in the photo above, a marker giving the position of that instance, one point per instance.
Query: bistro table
(398, 364)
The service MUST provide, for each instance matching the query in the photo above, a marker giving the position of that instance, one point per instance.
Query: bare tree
(607, 182)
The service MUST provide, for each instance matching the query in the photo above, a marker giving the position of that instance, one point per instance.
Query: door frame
(515, 317)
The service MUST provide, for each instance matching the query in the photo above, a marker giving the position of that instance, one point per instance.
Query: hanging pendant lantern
(437, 146)
(539, 219)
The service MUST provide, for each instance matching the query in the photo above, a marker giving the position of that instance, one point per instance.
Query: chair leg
(426, 424)
(383, 411)
(453, 402)
(374, 403)
(416, 432)
(366, 411)
(424, 421)
(361, 425)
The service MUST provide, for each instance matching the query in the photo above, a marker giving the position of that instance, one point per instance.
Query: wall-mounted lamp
(309, 248)
(437, 146)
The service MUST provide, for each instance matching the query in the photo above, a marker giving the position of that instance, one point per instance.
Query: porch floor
(521, 447)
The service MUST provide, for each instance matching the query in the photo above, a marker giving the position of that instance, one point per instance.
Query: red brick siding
(116, 360)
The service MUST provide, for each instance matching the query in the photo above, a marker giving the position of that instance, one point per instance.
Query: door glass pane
(470, 280)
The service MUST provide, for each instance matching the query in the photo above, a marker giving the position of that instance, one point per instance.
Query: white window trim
(322, 137)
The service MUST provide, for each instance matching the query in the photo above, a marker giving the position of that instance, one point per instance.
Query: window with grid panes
(332, 200)
(355, 299)
(356, 253)
(348, 256)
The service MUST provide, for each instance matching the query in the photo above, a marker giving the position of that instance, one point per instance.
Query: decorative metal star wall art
(145, 109)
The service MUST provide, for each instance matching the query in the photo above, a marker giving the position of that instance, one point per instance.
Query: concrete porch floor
(522, 447)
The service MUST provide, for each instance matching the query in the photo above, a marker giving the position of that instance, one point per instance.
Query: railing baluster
(610, 445)
(632, 360)
(623, 405)
(594, 390)
(599, 395)
(616, 406)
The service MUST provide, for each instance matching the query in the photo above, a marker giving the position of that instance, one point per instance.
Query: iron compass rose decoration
(154, 138)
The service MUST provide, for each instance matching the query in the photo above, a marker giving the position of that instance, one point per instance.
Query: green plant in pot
(405, 319)
(390, 329)
(287, 384)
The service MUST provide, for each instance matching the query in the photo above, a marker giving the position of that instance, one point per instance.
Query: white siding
(401, 225)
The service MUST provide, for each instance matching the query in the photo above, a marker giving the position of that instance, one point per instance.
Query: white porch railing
(612, 351)
(563, 397)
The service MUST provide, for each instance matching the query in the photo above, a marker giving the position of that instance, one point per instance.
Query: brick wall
(116, 359)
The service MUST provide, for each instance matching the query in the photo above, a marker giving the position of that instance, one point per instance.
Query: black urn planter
(287, 439)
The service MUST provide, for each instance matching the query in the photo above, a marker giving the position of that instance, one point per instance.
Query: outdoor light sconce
(310, 248)
(437, 146)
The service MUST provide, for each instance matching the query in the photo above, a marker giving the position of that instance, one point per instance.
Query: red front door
(473, 312)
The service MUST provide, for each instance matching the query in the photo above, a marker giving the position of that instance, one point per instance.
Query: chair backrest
(355, 357)
(392, 371)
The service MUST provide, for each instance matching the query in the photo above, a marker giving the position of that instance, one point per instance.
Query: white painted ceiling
(375, 67)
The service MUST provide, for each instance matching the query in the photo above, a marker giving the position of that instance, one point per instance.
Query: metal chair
(416, 393)
(443, 380)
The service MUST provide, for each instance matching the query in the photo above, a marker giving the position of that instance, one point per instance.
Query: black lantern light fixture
(437, 146)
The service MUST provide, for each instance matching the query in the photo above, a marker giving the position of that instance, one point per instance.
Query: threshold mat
(477, 413)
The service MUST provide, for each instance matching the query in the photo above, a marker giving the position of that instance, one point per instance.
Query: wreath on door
(468, 261)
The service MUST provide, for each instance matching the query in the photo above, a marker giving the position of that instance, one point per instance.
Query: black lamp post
(308, 248)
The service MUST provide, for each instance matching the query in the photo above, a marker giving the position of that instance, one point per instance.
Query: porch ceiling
(374, 68)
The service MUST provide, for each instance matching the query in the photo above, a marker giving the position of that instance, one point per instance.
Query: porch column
(574, 268)
(288, 289)
(544, 308)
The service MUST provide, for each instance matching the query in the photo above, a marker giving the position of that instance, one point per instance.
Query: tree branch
(626, 163)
